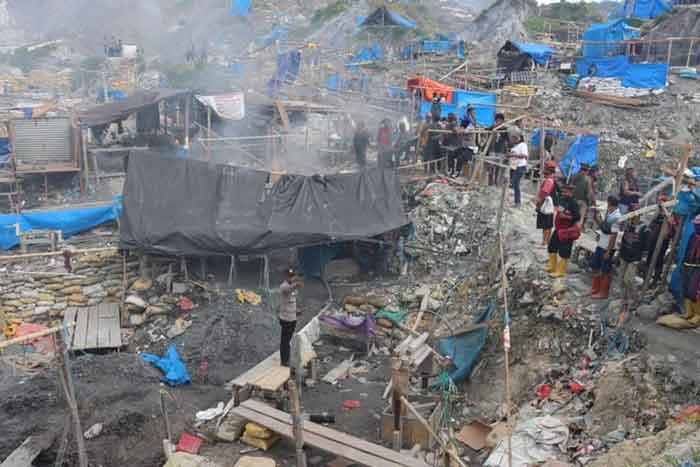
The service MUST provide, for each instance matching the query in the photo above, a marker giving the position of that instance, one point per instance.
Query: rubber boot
(551, 263)
(604, 290)
(561, 268)
(596, 285)
(695, 310)
(689, 308)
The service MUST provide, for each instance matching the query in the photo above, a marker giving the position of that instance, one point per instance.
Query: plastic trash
(175, 372)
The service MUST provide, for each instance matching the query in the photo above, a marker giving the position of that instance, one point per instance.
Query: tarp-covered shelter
(604, 39)
(520, 56)
(429, 88)
(631, 75)
(382, 16)
(484, 105)
(240, 8)
(117, 111)
(194, 208)
(584, 150)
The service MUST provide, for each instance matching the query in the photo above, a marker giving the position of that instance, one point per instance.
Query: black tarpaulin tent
(193, 208)
(116, 111)
(382, 16)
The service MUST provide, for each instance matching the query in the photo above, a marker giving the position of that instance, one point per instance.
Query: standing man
(423, 136)
(601, 262)
(498, 149)
(518, 157)
(629, 190)
(690, 276)
(288, 313)
(469, 145)
(436, 106)
(360, 143)
(583, 192)
(631, 247)
(566, 232)
(384, 148)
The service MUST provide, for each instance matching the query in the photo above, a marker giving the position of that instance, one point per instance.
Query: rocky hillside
(502, 21)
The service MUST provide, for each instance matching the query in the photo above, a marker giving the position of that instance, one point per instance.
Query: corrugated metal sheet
(43, 142)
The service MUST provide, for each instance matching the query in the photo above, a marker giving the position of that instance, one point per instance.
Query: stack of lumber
(522, 90)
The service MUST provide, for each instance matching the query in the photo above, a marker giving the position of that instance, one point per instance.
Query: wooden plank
(256, 372)
(80, 329)
(320, 430)
(25, 454)
(274, 379)
(93, 327)
(69, 320)
(115, 332)
(326, 444)
(103, 317)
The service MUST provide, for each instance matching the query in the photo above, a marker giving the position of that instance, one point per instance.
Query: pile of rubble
(613, 87)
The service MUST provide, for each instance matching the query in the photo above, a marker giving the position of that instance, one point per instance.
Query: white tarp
(229, 106)
(534, 441)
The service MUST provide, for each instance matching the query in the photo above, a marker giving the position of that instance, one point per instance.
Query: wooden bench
(329, 440)
(267, 376)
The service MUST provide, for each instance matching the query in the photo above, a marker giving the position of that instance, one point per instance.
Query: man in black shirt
(634, 238)
(360, 143)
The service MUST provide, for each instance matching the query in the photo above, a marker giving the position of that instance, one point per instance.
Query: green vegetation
(576, 12)
(26, 60)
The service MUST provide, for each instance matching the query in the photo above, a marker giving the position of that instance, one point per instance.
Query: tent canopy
(382, 16)
(428, 88)
(193, 208)
(584, 150)
(602, 39)
(116, 111)
(540, 53)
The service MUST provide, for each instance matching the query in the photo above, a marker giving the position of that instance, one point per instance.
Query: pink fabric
(44, 344)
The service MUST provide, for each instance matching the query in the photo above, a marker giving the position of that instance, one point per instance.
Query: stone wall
(98, 278)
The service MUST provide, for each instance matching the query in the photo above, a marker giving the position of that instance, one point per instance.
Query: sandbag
(256, 431)
(674, 321)
(263, 444)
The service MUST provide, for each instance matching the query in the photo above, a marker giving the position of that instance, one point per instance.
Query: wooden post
(543, 137)
(188, 103)
(86, 171)
(668, 55)
(655, 257)
(297, 422)
(690, 52)
(66, 383)
(209, 133)
(122, 315)
(399, 379)
(166, 419)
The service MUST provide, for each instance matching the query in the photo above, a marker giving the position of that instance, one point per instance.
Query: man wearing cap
(690, 276)
(629, 190)
(601, 262)
(583, 192)
(288, 313)
(498, 149)
(544, 206)
(518, 162)
(566, 231)
(634, 238)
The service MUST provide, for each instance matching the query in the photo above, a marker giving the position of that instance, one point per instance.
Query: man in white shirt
(518, 162)
(601, 262)
(288, 313)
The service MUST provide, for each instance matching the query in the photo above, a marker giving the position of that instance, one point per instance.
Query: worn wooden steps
(95, 327)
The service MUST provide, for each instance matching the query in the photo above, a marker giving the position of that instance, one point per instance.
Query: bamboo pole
(297, 423)
(54, 253)
(668, 55)
(34, 335)
(690, 52)
(504, 287)
(66, 382)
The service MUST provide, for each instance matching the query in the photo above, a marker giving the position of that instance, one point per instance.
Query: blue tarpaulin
(602, 67)
(313, 259)
(484, 103)
(464, 350)
(5, 150)
(397, 92)
(371, 53)
(584, 150)
(603, 39)
(278, 33)
(240, 7)
(645, 75)
(359, 82)
(175, 372)
(382, 16)
(288, 65)
(632, 75)
(540, 53)
(70, 221)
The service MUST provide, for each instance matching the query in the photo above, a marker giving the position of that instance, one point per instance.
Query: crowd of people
(625, 246)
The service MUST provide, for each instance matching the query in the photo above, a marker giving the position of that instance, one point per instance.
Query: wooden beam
(34, 335)
(25, 454)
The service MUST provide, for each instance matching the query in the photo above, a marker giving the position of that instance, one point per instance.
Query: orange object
(576, 388)
(689, 414)
(428, 88)
(543, 391)
(186, 304)
(45, 344)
